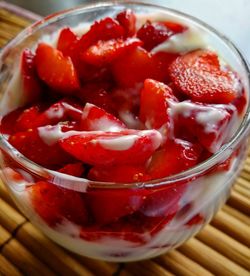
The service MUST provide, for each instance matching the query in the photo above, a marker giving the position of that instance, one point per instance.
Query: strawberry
(120, 174)
(127, 20)
(96, 93)
(154, 33)
(55, 69)
(209, 124)
(9, 120)
(176, 156)
(30, 144)
(32, 87)
(55, 204)
(67, 41)
(197, 219)
(96, 118)
(110, 148)
(155, 97)
(198, 75)
(102, 202)
(74, 169)
(105, 52)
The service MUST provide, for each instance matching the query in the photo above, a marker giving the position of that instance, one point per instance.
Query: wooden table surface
(221, 248)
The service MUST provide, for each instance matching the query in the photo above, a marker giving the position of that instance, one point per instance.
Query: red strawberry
(198, 75)
(30, 144)
(197, 219)
(154, 33)
(120, 174)
(104, 52)
(55, 69)
(210, 124)
(109, 205)
(67, 42)
(110, 148)
(96, 93)
(127, 19)
(55, 204)
(8, 121)
(32, 87)
(155, 97)
(95, 118)
(176, 156)
(75, 169)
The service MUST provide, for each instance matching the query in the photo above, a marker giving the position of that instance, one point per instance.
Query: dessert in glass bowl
(123, 127)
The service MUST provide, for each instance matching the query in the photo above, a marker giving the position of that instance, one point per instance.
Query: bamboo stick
(6, 268)
(181, 265)
(243, 182)
(247, 168)
(239, 202)
(235, 213)
(5, 236)
(243, 191)
(210, 259)
(47, 251)
(225, 245)
(98, 267)
(232, 226)
(24, 260)
(9, 217)
(244, 174)
(13, 19)
(146, 268)
(5, 195)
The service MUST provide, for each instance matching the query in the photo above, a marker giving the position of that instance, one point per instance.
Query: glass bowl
(164, 213)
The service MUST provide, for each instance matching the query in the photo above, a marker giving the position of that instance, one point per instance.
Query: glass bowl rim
(55, 177)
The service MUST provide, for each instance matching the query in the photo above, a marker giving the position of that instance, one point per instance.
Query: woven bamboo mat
(221, 248)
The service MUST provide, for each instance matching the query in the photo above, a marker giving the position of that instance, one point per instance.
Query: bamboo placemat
(221, 248)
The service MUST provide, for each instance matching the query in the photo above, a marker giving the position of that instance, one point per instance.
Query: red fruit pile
(104, 107)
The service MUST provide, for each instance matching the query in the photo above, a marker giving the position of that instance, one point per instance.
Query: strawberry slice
(110, 148)
(176, 156)
(155, 97)
(9, 120)
(210, 124)
(198, 75)
(55, 204)
(154, 33)
(127, 20)
(32, 87)
(102, 202)
(55, 69)
(104, 52)
(120, 174)
(30, 144)
(74, 169)
(95, 118)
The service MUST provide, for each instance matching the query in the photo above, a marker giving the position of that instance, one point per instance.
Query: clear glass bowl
(165, 212)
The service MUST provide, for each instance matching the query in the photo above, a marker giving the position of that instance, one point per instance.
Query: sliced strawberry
(30, 144)
(175, 27)
(8, 121)
(127, 19)
(67, 41)
(155, 97)
(96, 118)
(163, 202)
(198, 75)
(125, 201)
(32, 87)
(55, 204)
(197, 219)
(75, 169)
(55, 69)
(176, 156)
(104, 52)
(210, 124)
(96, 93)
(110, 148)
(120, 174)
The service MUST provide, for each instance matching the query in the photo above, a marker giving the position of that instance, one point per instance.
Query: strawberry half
(155, 97)
(55, 204)
(74, 169)
(55, 69)
(110, 148)
(96, 118)
(176, 156)
(104, 52)
(198, 75)
(127, 20)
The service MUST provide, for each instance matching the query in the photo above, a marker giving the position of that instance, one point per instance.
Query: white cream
(120, 143)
